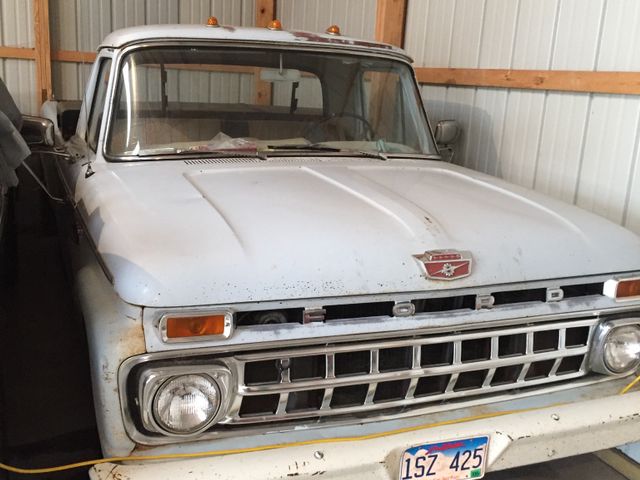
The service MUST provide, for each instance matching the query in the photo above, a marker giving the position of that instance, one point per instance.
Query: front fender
(114, 333)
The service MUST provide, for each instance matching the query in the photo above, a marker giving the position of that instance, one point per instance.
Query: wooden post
(390, 21)
(43, 49)
(265, 12)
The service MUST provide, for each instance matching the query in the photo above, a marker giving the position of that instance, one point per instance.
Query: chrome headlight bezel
(153, 378)
(601, 336)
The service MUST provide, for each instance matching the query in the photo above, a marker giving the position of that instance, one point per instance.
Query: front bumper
(521, 432)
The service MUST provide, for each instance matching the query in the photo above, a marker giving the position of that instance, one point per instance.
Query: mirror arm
(46, 151)
(42, 185)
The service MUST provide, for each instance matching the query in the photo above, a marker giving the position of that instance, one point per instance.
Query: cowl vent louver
(221, 161)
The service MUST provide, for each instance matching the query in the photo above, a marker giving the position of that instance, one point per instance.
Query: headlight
(186, 404)
(616, 347)
(622, 349)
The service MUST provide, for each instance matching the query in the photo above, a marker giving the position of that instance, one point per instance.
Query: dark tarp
(13, 148)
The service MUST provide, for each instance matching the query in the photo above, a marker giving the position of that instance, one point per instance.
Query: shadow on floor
(582, 467)
(46, 407)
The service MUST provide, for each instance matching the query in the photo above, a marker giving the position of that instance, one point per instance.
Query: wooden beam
(627, 83)
(561, 80)
(19, 53)
(43, 49)
(73, 56)
(265, 12)
(390, 21)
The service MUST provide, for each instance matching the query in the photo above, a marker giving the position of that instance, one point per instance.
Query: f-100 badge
(446, 264)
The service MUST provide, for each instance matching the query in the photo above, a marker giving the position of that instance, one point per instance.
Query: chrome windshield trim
(302, 46)
(344, 50)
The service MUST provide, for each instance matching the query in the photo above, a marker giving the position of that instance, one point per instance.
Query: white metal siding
(356, 18)
(16, 30)
(81, 25)
(581, 148)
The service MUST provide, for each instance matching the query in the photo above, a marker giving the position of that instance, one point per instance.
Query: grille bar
(369, 376)
(408, 374)
(325, 410)
(306, 351)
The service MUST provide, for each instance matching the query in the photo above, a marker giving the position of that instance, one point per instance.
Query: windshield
(187, 101)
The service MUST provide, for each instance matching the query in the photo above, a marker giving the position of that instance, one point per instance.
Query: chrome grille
(358, 378)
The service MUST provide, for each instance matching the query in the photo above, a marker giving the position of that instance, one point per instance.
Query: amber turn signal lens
(333, 30)
(212, 22)
(181, 327)
(628, 288)
(275, 25)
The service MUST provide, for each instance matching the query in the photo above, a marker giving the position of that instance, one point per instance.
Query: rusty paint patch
(131, 341)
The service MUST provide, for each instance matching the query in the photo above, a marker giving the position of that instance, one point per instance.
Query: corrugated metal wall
(81, 25)
(16, 30)
(356, 18)
(580, 148)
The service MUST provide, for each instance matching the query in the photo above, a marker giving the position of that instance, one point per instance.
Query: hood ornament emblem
(446, 264)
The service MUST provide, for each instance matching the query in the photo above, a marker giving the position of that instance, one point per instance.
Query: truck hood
(189, 233)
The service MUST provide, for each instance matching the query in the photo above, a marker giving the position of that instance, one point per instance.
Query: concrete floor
(46, 415)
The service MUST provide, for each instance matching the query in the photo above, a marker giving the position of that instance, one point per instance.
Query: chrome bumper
(523, 431)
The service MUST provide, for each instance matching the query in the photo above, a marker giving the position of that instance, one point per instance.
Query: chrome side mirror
(447, 132)
(37, 131)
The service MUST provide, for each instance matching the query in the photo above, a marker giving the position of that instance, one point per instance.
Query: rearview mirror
(282, 75)
(447, 132)
(37, 131)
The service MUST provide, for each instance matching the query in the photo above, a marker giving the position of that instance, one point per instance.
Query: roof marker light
(333, 30)
(625, 289)
(275, 25)
(212, 22)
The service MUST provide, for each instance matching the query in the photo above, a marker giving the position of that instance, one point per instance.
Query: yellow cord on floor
(632, 384)
(173, 456)
(215, 453)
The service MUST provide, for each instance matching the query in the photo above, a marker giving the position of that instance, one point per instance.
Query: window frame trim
(102, 61)
(122, 53)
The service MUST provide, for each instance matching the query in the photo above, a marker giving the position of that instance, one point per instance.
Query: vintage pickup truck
(281, 277)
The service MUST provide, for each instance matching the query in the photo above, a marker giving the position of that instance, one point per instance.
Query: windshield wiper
(317, 147)
(305, 146)
(205, 153)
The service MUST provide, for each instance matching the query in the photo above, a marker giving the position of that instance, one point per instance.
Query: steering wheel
(312, 129)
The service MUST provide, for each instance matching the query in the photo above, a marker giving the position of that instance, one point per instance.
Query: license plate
(454, 460)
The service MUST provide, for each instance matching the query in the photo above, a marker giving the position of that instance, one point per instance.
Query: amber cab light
(275, 25)
(186, 327)
(625, 289)
(212, 22)
(333, 30)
